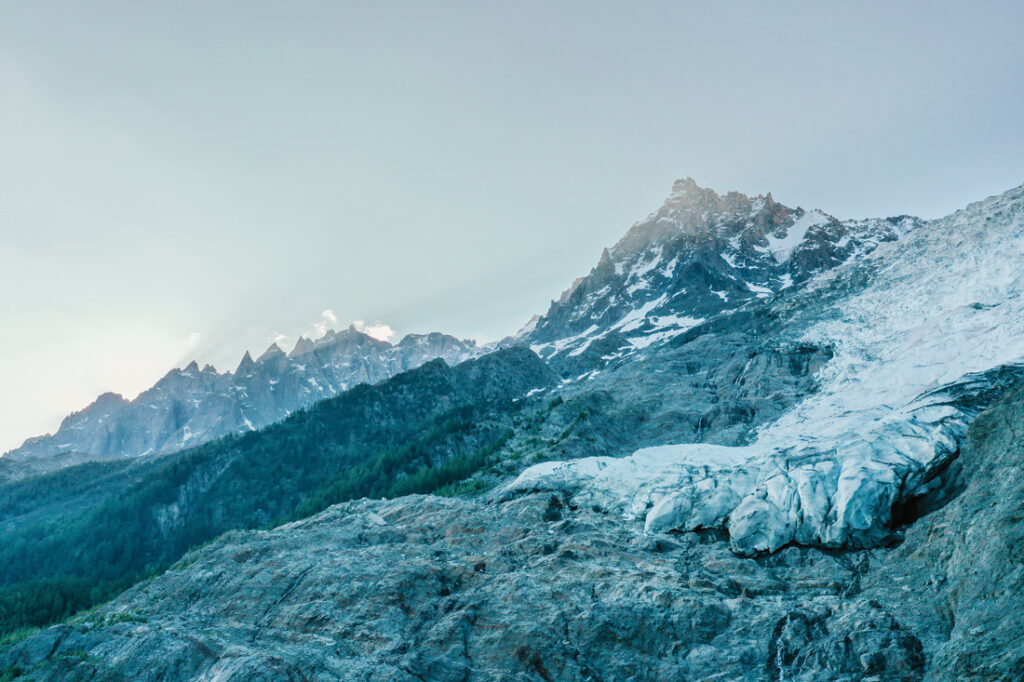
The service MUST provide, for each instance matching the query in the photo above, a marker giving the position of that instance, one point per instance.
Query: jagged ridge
(191, 406)
(697, 256)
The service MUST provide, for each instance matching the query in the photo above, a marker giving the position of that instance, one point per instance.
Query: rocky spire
(246, 365)
(272, 350)
(302, 346)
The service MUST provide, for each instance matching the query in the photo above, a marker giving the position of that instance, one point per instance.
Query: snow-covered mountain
(191, 406)
(924, 332)
(698, 255)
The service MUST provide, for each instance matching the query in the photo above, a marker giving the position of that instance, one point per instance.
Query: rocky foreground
(537, 588)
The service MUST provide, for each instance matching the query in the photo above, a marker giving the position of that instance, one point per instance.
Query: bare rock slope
(538, 588)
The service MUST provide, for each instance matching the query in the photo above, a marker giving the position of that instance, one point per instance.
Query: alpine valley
(755, 442)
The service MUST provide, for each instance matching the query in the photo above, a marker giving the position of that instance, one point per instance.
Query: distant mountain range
(191, 406)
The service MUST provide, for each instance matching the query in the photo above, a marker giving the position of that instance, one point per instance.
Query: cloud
(279, 338)
(378, 330)
(328, 318)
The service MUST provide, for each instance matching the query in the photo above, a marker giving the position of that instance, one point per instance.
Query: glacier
(920, 329)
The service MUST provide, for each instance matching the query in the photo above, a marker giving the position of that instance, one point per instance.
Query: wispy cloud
(378, 329)
(327, 319)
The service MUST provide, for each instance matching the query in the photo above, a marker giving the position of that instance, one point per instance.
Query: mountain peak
(704, 204)
(302, 346)
(272, 350)
(699, 254)
(109, 398)
(246, 364)
(686, 186)
(687, 192)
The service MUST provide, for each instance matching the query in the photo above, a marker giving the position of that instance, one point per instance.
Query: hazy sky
(189, 179)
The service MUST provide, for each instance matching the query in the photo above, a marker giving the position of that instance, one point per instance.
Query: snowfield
(941, 312)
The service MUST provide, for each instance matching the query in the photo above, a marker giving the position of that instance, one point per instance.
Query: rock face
(698, 255)
(191, 406)
(968, 554)
(435, 589)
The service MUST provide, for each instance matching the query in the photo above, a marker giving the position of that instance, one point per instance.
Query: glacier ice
(942, 310)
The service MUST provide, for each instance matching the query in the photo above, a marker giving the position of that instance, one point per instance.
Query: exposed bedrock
(425, 588)
(860, 641)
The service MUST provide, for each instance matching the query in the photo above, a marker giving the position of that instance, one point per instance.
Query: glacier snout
(841, 496)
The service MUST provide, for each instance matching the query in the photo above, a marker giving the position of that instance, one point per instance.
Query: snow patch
(634, 318)
(670, 268)
(782, 248)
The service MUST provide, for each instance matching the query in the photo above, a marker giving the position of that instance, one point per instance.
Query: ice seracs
(921, 330)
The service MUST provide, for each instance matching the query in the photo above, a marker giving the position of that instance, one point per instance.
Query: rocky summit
(754, 443)
(697, 256)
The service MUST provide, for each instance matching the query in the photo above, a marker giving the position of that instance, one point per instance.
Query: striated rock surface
(437, 589)
(961, 565)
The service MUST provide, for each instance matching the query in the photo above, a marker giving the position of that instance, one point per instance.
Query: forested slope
(75, 538)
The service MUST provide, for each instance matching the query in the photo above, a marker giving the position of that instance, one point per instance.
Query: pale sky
(192, 179)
